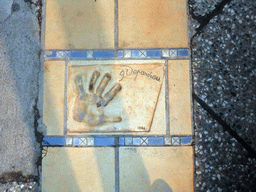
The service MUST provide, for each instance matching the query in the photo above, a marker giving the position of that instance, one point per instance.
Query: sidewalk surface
(144, 140)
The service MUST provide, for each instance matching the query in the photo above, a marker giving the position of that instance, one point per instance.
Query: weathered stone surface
(79, 24)
(152, 24)
(5, 9)
(19, 65)
(79, 169)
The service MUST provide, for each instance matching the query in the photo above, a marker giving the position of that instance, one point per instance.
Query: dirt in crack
(17, 176)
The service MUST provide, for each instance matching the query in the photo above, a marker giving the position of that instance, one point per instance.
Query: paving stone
(79, 25)
(179, 97)
(156, 169)
(152, 24)
(78, 169)
(54, 85)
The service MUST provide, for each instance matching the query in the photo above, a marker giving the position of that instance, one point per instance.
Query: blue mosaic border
(181, 53)
(85, 141)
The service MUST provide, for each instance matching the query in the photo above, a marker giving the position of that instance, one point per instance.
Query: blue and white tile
(69, 141)
(175, 140)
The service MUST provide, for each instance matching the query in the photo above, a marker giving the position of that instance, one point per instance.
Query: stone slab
(151, 169)
(53, 107)
(179, 97)
(78, 169)
(79, 24)
(152, 24)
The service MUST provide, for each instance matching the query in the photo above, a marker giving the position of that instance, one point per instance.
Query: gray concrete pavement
(19, 66)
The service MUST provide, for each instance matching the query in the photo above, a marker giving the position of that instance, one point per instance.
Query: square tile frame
(171, 129)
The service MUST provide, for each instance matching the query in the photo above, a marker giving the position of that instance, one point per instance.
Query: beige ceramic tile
(79, 24)
(152, 24)
(151, 169)
(78, 169)
(53, 108)
(136, 104)
(179, 97)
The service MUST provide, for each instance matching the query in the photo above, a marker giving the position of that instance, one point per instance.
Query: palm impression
(89, 107)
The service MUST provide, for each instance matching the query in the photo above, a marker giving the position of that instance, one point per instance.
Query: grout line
(116, 28)
(226, 127)
(167, 99)
(43, 23)
(65, 98)
(117, 165)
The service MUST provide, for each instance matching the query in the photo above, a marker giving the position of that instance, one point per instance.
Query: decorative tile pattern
(136, 141)
(165, 53)
(156, 169)
(82, 141)
(144, 141)
(168, 141)
(78, 54)
(183, 53)
(173, 53)
(50, 54)
(128, 147)
(103, 54)
(135, 53)
(175, 141)
(52, 141)
(143, 54)
(128, 140)
(153, 53)
(90, 141)
(89, 54)
(186, 140)
(155, 141)
(121, 140)
(110, 141)
(68, 169)
(63, 54)
(69, 141)
(79, 141)
(104, 141)
(126, 54)
(120, 53)
(76, 141)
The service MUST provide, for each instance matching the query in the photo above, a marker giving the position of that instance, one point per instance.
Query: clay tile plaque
(113, 97)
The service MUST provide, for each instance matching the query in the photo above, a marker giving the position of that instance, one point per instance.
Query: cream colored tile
(151, 169)
(138, 107)
(78, 169)
(152, 24)
(179, 97)
(53, 107)
(79, 24)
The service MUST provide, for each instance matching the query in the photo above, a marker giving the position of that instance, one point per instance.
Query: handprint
(89, 107)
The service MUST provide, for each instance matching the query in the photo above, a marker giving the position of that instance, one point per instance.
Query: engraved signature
(130, 71)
